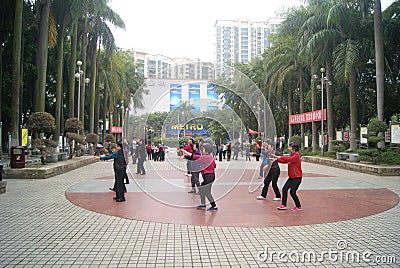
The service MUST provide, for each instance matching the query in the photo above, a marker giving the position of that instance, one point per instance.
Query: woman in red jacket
(295, 176)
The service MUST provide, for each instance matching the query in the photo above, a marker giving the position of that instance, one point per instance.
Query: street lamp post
(78, 76)
(322, 110)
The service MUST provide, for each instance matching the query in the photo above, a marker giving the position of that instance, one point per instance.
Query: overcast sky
(185, 29)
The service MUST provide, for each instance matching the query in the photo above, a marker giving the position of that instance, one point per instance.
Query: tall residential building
(242, 41)
(162, 67)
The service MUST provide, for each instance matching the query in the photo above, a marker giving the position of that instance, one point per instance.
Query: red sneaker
(297, 209)
(282, 207)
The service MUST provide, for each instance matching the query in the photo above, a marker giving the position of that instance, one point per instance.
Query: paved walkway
(349, 220)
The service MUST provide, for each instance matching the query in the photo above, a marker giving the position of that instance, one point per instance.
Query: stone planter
(52, 158)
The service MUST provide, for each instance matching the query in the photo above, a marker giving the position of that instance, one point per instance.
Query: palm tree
(40, 91)
(100, 34)
(379, 61)
(61, 11)
(322, 39)
(5, 23)
(15, 87)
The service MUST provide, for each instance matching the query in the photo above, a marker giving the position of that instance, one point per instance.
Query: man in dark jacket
(142, 153)
(119, 170)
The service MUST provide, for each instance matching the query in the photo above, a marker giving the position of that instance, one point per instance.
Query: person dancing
(295, 176)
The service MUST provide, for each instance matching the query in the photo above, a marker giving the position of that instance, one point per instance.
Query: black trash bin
(17, 157)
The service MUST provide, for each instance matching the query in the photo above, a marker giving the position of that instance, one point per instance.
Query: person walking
(188, 148)
(228, 152)
(133, 150)
(207, 166)
(272, 176)
(258, 150)
(264, 161)
(295, 176)
(195, 169)
(280, 146)
(248, 153)
(119, 170)
(142, 153)
(235, 151)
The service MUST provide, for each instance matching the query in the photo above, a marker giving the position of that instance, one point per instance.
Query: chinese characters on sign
(312, 116)
(116, 129)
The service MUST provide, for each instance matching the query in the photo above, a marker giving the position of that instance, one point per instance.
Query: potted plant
(42, 125)
(74, 139)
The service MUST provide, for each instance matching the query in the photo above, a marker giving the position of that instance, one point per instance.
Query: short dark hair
(119, 144)
(294, 146)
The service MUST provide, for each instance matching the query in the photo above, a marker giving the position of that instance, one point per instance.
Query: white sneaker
(276, 199)
(261, 197)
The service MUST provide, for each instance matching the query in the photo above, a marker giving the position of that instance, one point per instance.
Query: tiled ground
(40, 227)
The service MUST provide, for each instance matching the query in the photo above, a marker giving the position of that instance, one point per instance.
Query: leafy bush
(390, 156)
(110, 138)
(340, 146)
(73, 125)
(297, 139)
(92, 138)
(42, 122)
(375, 126)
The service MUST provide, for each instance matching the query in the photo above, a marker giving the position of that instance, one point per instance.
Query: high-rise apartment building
(242, 41)
(162, 67)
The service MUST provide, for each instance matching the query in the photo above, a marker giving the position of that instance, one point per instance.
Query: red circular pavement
(238, 207)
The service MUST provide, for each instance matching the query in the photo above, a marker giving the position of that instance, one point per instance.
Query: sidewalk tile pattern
(40, 227)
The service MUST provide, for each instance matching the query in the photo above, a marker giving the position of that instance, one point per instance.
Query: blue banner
(175, 96)
(212, 97)
(188, 130)
(194, 97)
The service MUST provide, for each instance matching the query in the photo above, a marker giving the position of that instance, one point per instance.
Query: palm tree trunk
(16, 69)
(83, 85)
(92, 93)
(104, 112)
(42, 54)
(97, 104)
(60, 61)
(329, 104)
(379, 55)
(353, 111)
(72, 67)
(301, 93)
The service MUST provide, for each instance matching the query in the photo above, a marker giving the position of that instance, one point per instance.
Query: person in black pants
(142, 153)
(119, 170)
(195, 169)
(295, 176)
(272, 176)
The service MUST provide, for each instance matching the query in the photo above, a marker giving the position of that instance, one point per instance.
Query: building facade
(163, 67)
(242, 41)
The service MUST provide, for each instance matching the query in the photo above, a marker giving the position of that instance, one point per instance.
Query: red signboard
(346, 136)
(312, 116)
(387, 135)
(116, 130)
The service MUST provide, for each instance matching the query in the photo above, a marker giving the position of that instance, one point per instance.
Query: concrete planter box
(52, 158)
(62, 156)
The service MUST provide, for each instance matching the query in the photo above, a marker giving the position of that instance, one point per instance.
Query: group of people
(200, 160)
(271, 160)
(120, 154)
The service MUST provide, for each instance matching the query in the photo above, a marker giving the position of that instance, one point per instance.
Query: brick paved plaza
(349, 219)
